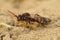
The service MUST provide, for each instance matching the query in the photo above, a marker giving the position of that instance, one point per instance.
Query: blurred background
(45, 8)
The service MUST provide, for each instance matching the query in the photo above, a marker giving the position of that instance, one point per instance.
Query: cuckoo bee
(28, 20)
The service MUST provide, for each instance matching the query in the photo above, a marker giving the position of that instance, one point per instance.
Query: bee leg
(27, 25)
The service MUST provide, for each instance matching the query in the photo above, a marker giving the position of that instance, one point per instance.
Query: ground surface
(46, 8)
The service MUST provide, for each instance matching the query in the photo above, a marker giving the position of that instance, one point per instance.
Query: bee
(30, 22)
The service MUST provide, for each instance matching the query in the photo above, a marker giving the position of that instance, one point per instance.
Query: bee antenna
(12, 13)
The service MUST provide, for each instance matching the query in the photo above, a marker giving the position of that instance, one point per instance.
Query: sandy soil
(46, 8)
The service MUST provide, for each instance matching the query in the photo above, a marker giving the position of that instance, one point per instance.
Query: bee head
(19, 17)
